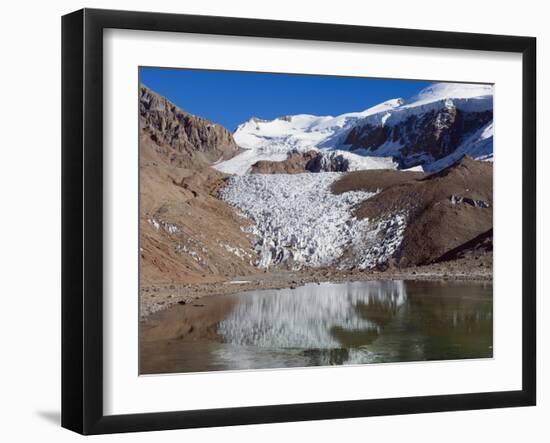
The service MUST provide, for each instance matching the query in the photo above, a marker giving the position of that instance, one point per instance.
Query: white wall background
(30, 219)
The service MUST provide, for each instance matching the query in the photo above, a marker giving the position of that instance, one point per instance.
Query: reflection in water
(333, 324)
(308, 317)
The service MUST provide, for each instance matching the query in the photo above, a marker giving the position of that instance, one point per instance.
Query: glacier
(299, 222)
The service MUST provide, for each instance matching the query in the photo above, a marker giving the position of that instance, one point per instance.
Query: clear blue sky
(230, 98)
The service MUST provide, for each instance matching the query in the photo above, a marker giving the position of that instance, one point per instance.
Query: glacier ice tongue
(301, 223)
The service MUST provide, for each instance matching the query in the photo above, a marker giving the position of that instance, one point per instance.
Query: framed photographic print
(269, 221)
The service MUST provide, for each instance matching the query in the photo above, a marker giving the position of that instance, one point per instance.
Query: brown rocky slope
(445, 210)
(186, 233)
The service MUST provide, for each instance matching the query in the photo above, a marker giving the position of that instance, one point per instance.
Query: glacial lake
(322, 324)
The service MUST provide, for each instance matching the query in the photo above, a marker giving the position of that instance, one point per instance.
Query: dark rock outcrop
(295, 163)
(299, 162)
(328, 162)
(186, 138)
(424, 137)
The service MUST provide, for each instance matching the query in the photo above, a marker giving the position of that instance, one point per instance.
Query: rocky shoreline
(154, 298)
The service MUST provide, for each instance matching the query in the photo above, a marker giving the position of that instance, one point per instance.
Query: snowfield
(302, 131)
(300, 223)
(439, 91)
(274, 139)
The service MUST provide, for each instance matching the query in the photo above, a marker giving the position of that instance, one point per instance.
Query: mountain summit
(442, 123)
(438, 91)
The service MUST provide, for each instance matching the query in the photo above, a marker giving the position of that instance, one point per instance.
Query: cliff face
(184, 137)
(422, 138)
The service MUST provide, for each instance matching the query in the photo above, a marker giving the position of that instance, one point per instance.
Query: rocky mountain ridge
(186, 138)
(187, 234)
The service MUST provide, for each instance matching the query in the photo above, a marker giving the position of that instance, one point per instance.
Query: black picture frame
(82, 219)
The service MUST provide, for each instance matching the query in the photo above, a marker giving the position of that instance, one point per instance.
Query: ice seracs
(298, 222)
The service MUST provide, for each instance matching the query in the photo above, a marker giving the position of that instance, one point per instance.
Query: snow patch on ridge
(438, 91)
(242, 163)
(299, 222)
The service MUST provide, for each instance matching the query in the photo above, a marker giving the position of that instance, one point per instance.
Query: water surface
(322, 324)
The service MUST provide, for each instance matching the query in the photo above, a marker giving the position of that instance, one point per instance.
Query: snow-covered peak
(440, 91)
(381, 107)
(464, 96)
(310, 120)
(302, 131)
(385, 106)
(367, 133)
